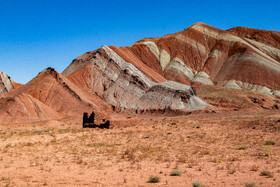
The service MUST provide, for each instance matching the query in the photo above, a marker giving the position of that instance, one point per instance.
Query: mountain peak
(200, 24)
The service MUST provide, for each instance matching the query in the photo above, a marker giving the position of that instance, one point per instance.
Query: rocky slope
(49, 96)
(21, 108)
(241, 58)
(125, 87)
(144, 75)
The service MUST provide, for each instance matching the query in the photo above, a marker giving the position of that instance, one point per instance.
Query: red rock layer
(49, 96)
(128, 54)
(121, 84)
(16, 85)
(244, 54)
(240, 58)
(21, 108)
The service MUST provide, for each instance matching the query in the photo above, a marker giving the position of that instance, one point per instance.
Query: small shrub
(255, 167)
(267, 150)
(269, 142)
(154, 179)
(197, 184)
(38, 131)
(79, 161)
(250, 184)
(266, 173)
(176, 173)
(96, 144)
(218, 160)
(242, 147)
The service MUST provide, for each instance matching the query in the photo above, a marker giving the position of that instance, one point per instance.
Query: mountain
(150, 74)
(191, 70)
(125, 87)
(22, 108)
(49, 96)
(241, 58)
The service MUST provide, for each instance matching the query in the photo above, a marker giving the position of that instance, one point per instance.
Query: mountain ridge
(157, 76)
(208, 52)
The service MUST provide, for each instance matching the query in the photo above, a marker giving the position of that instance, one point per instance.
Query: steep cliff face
(5, 83)
(202, 54)
(107, 75)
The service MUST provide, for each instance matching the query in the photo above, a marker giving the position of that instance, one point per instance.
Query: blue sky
(35, 34)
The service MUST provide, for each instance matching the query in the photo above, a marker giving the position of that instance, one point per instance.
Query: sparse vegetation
(266, 174)
(267, 150)
(218, 160)
(154, 179)
(244, 147)
(96, 144)
(142, 40)
(255, 167)
(38, 131)
(176, 173)
(101, 145)
(128, 149)
(250, 184)
(197, 184)
(269, 142)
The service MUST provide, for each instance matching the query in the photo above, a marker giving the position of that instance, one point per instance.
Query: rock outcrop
(6, 84)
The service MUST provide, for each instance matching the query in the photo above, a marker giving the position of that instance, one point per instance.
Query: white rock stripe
(253, 87)
(179, 65)
(265, 47)
(192, 43)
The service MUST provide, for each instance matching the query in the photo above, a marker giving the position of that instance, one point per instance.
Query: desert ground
(212, 149)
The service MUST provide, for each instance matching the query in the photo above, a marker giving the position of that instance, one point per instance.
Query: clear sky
(36, 34)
